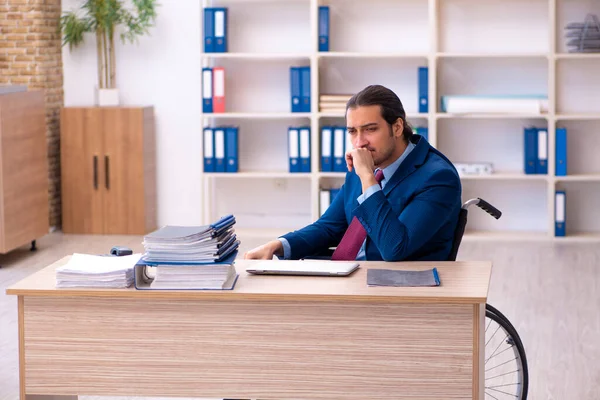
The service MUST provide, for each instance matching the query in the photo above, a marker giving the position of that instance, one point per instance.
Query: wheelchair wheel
(506, 373)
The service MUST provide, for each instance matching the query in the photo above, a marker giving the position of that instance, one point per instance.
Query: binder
(294, 149)
(209, 150)
(530, 150)
(560, 213)
(219, 149)
(423, 89)
(209, 30)
(295, 89)
(561, 152)
(231, 148)
(423, 131)
(305, 89)
(339, 159)
(542, 152)
(219, 90)
(323, 28)
(207, 90)
(326, 149)
(220, 29)
(305, 149)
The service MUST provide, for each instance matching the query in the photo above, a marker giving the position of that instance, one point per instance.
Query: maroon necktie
(355, 235)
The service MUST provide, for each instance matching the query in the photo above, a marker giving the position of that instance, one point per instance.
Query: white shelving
(471, 47)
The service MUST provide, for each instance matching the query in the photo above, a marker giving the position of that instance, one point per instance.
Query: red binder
(218, 90)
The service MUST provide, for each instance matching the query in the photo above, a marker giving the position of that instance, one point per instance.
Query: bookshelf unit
(492, 48)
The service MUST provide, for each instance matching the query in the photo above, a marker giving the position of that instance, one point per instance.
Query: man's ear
(398, 127)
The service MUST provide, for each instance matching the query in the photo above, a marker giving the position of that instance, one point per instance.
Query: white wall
(163, 70)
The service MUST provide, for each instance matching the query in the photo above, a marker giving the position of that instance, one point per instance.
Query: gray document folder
(390, 277)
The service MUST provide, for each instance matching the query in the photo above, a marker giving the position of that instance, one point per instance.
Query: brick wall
(30, 54)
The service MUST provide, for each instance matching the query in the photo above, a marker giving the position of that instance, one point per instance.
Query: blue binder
(220, 29)
(305, 89)
(207, 90)
(231, 148)
(530, 150)
(327, 149)
(219, 149)
(209, 150)
(423, 89)
(560, 213)
(304, 148)
(323, 28)
(542, 151)
(561, 152)
(294, 149)
(209, 30)
(339, 157)
(295, 89)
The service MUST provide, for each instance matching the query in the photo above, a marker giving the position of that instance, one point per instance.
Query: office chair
(506, 372)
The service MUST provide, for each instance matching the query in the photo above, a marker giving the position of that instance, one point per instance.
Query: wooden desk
(272, 337)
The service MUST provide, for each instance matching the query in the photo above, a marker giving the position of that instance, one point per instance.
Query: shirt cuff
(370, 190)
(287, 250)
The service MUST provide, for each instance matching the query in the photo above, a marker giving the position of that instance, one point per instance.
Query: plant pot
(107, 97)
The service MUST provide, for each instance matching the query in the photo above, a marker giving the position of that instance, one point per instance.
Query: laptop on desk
(303, 267)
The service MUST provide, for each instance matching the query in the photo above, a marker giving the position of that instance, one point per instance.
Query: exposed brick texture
(30, 54)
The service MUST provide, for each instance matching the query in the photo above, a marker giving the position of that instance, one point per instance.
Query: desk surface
(461, 282)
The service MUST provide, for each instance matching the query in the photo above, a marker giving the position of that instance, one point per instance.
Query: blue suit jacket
(413, 218)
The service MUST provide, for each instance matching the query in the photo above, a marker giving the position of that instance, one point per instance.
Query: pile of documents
(584, 37)
(333, 103)
(94, 271)
(189, 257)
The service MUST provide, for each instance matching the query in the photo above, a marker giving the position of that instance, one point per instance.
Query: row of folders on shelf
(536, 151)
(216, 32)
(213, 91)
(221, 148)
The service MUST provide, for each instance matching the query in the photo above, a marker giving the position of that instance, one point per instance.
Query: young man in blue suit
(411, 214)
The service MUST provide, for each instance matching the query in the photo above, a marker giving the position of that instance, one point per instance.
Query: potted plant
(103, 18)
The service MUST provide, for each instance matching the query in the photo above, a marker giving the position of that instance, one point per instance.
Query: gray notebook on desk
(390, 277)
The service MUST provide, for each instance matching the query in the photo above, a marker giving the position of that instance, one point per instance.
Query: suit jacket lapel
(415, 159)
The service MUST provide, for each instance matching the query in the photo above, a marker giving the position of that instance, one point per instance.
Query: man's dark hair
(389, 103)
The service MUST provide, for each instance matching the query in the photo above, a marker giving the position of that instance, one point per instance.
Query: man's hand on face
(362, 161)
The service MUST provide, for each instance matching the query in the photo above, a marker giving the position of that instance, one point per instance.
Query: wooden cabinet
(108, 170)
(24, 204)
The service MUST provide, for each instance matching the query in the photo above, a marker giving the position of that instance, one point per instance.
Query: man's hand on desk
(266, 251)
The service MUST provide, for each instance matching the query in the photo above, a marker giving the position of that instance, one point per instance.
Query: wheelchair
(506, 373)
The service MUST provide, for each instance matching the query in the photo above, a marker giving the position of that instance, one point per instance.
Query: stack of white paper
(86, 270)
(208, 276)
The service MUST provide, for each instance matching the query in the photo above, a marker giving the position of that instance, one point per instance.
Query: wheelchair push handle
(490, 209)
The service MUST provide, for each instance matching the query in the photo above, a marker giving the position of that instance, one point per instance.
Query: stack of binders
(299, 149)
(535, 150)
(213, 90)
(215, 30)
(189, 257)
(300, 89)
(221, 149)
(335, 142)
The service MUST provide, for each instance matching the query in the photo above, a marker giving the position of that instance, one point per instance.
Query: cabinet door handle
(95, 172)
(106, 171)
